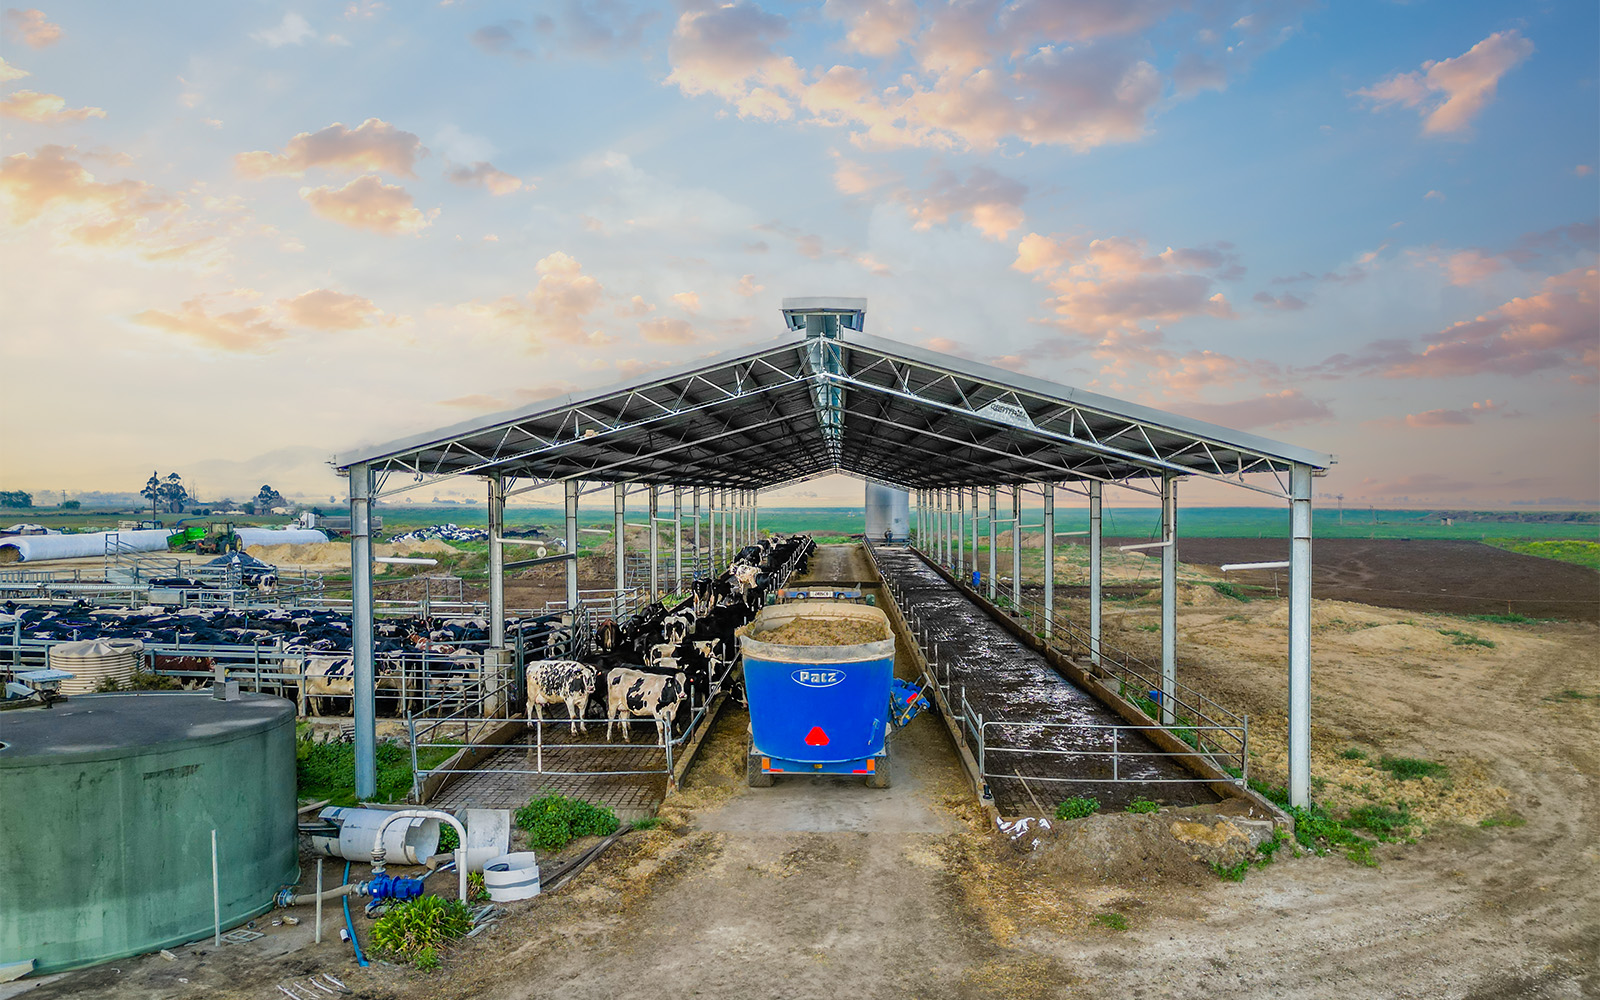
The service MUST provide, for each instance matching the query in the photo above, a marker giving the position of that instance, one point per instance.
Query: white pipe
(1063, 534)
(443, 817)
(318, 937)
(405, 561)
(216, 891)
(1271, 565)
(1144, 545)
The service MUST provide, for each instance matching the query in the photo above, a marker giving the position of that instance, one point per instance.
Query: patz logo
(818, 678)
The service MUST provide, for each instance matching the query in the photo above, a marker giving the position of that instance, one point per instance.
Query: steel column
(571, 488)
(1016, 546)
(1095, 493)
(677, 539)
(497, 561)
(1049, 559)
(961, 532)
(655, 543)
(994, 514)
(697, 532)
(1300, 635)
(755, 514)
(364, 708)
(1169, 598)
(974, 527)
(619, 507)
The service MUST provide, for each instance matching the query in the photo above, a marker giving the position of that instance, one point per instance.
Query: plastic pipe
(216, 891)
(349, 925)
(443, 817)
(318, 937)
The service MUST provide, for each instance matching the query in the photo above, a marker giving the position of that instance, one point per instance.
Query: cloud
(592, 26)
(748, 286)
(324, 309)
(851, 177)
(31, 106)
(1582, 170)
(484, 174)
(31, 28)
(688, 300)
(727, 50)
(292, 30)
(1421, 483)
(1468, 267)
(1282, 303)
(874, 27)
(247, 330)
(1114, 284)
(367, 203)
(1274, 410)
(372, 145)
(663, 330)
(1434, 196)
(364, 10)
(1450, 418)
(9, 72)
(1554, 329)
(990, 202)
(499, 39)
(1449, 94)
(557, 309)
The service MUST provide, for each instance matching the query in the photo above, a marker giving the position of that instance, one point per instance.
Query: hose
(350, 924)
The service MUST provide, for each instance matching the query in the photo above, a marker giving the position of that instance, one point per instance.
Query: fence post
(1116, 744)
(416, 777)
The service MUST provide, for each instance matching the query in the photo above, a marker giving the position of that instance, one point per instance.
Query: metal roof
(806, 405)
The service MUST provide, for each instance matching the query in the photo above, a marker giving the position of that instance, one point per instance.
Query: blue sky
(240, 238)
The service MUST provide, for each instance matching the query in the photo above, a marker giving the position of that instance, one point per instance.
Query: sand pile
(824, 632)
(325, 557)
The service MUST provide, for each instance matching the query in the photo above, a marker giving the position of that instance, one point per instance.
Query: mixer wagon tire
(753, 775)
(879, 778)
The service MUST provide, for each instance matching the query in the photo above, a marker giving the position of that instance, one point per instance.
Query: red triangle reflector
(816, 738)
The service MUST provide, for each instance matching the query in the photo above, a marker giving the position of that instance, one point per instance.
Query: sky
(241, 238)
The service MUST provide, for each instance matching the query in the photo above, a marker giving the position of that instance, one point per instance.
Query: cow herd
(647, 666)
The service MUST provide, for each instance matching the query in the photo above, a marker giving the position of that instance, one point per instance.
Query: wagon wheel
(753, 775)
(879, 778)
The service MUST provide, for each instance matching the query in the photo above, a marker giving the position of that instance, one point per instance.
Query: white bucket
(512, 876)
(409, 841)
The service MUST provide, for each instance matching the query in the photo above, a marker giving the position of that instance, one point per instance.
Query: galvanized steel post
(961, 531)
(1016, 546)
(655, 545)
(755, 514)
(1095, 490)
(1169, 597)
(1300, 635)
(497, 561)
(994, 512)
(1049, 559)
(365, 709)
(697, 532)
(619, 507)
(571, 561)
(974, 527)
(677, 539)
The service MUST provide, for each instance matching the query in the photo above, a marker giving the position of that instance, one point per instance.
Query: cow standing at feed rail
(560, 682)
(636, 693)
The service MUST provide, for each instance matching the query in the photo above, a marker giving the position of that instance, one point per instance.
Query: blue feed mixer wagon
(822, 709)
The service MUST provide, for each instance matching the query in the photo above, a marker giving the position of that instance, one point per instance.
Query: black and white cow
(636, 693)
(560, 682)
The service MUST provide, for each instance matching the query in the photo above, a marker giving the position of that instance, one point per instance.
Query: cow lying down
(636, 693)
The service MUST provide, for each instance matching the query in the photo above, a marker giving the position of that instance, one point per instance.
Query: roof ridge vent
(826, 316)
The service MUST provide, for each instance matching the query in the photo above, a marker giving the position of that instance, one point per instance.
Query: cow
(557, 682)
(636, 693)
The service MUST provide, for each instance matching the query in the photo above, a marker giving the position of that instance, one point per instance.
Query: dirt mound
(335, 556)
(1132, 850)
(824, 632)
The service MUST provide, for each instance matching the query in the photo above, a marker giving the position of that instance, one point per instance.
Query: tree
(152, 492)
(267, 499)
(16, 498)
(71, 504)
(173, 493)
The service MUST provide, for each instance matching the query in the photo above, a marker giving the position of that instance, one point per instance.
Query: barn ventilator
(826, 397)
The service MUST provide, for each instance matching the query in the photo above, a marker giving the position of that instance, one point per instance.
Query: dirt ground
(823, 888)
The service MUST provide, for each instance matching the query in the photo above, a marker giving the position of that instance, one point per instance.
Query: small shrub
(417, 929)
(1078, 807)
(1112, 921)
(477, 890)
(1316, 830)
(1138, 806)
(1460, 638)
(449, 839)
(553, 821)
(1231, 873)
(1383, 822)
(1280, 837)
(1230, 590)
(1354, 754)
(1411, 768)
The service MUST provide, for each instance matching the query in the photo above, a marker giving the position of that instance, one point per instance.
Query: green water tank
(107, 805)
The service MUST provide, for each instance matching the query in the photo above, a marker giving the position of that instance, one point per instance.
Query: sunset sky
(239, 238)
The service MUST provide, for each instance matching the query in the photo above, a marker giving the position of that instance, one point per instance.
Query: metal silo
(888, 509)
(109, 806)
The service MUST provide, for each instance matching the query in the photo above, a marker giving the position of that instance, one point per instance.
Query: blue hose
(349, 924)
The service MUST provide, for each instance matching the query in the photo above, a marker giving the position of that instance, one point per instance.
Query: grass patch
(1354, 754)
(1231, 873)
(1140, 806)
(1112, 921)
(1230, 590)
(327, 770)
(1460, 638)
(1078, 807)
(1150, 627)
(1505, 818)
(1570, 695)
(647, 823)
(1509, 619)
(1361, 854)
(417, 930)
(1411, 768)
(1381, 821)
(1568, 550)
(553, 821)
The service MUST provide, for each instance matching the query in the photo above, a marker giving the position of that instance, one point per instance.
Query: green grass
(417, 930)
(1505, 818)
(1510, 619)
(1411, 768)
(1112, 921)
(1568, 550)
(1354, 754)
(647, 823)
(328, 770)
(1231, 873)
(1570, 695)
(1381, 821)
(553, 821)
(1460, 638)
(1139, 806)
(1230, 590)
(1078, 807)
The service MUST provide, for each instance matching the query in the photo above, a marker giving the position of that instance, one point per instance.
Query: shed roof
(804, 405)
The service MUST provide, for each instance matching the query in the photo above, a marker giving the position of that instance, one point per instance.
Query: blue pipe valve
(393, 887)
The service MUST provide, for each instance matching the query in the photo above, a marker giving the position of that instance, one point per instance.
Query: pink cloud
(247, 330)
(31, 106)
(31, 28)
(373, 145)
(663, 330)
(325, 309)
(557, 309)
(1274, 410)
(485, 175)
(1450, 93)
(367, 203)
(1114, 283)
(1450, 418)
(990, 202)
(874, 27)
(1282, 303)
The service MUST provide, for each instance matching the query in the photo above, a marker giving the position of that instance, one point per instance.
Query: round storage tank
(109, 803)
(888, 509)
(93, 661)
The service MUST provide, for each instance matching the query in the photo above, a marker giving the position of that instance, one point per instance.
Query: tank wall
(887, 509)
(112, 857)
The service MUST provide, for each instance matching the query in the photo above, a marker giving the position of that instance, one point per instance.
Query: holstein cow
(558, 682)
(634, 692)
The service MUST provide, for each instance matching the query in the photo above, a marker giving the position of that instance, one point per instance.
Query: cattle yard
(1186, 730)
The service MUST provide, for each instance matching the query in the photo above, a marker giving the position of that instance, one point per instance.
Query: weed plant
(1139, 806)
(1460, 638)
(417, 930)
(553, 821)
(1078, 807)
(1411, 768)
(1112, 921)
